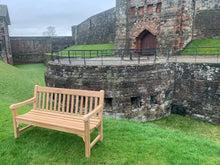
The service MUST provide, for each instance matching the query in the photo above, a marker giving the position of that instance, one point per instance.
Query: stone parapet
(147, 92)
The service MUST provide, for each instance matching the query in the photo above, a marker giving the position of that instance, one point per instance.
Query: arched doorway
(147, 43)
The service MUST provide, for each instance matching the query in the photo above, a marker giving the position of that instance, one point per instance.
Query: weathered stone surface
(174, 23)
(5, 46)
(31, 45)
(147, 92)
(32, 49)
(39, 45)
(197, 91)
(134, 92)
(97, 29)
(207, 24)
(169, 21)
(31, 58)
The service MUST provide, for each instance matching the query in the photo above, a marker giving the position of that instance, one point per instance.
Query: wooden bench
(68, 110)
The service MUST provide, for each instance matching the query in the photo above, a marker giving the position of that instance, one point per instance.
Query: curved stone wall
(142, 92)
(97, 29)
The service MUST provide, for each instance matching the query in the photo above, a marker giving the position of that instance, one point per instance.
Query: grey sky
(32, 17)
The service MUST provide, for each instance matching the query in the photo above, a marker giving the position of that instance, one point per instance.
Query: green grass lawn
(174, 140)
(203, 47)
(88, 50)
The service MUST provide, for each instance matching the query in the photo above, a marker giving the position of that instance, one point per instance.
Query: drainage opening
(136, 102)
(153, 99)
(108, 103)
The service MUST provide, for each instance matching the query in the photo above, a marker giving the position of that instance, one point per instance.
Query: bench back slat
(72, 104)
(67, 100)
(69, 91)
(51, 101)
(43, 104)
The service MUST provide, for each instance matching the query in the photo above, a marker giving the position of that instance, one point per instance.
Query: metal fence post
(196, 53)
(168, 56)
(131, 55)
(139, 60)
(218, 54)
(84, 56)
(52, 58)
(102, 56)
(58, 57)
(69, 57)
(122, 55)
(155, 58)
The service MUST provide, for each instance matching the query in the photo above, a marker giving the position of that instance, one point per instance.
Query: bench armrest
(15, 106)
(92, 113)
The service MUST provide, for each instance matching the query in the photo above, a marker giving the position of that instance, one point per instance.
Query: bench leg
(87, 140)
(16, 125)
(16, 129)
(101, 131)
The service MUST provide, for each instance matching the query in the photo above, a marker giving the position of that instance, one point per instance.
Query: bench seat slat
(55, 120)
(49, 126)
(62, 115)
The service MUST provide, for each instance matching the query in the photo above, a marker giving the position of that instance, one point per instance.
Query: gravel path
(135, 61)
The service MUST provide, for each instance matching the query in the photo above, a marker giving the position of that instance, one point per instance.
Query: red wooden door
(149, 41)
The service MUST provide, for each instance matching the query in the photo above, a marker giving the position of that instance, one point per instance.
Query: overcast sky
(32, 17)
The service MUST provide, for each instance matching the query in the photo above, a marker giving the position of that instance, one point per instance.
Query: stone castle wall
(147, 92)
(133, 92)
(31, 45)
(174, 23)
(206, 23)
(197, 91)
(32, 49)
(97, 29)
(5, 46)
(169, 21)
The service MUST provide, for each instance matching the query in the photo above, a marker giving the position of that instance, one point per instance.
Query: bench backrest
(71, 101)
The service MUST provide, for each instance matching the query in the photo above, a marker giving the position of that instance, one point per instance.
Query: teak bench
(68, 110)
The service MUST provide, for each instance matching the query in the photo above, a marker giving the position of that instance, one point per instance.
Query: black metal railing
(136, 56)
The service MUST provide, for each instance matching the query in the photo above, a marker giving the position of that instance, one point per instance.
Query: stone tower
(153, 23)
(165, 23)
(5, 46)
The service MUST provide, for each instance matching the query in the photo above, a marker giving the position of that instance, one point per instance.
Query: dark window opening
(153, 99)
(132, 12)
(3, 42)
(136, 102)
(150, 9)
(159, 6)
(108, 103)
(141, 10)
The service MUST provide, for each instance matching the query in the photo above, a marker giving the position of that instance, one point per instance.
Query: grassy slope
(173, 140)
(93, 53)
(17, 83)
(191, 50)
(92, 47)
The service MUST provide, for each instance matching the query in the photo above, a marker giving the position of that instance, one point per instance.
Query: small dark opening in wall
(178, 109)
(153, 99)
(141, 10)
(159, 6)
(136, 102)
(132, 12)
(150, 9)
(108, 103)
